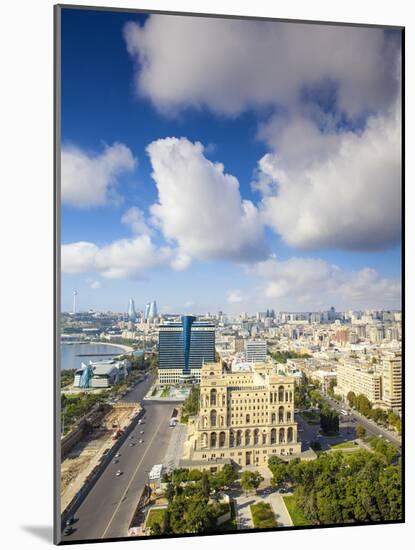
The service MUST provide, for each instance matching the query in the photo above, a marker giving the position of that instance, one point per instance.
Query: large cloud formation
(90, 180)
(332, 177)
(338, 190)
(229, 65)
(200, 207)
(123, 258)
(314, 283)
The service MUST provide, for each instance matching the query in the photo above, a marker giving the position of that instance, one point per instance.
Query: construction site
(86, 446)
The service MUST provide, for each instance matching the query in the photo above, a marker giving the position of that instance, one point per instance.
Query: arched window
(281, 393)
(256, 437)
(248, 437)
(288, 416)
(273, 436)
(281, 414)
(213, 439)
(231, 438)
(213, 397)
(238, 438)
(222, 439)
(282, 435)
(213, 417)
(289, 435)
(273, 418)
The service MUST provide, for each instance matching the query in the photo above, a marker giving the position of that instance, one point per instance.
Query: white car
(118, 473)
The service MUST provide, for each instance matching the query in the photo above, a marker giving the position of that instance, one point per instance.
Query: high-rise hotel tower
(183, 348)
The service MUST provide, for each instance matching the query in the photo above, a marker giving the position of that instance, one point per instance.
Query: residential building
(359, 378)
(392, 380)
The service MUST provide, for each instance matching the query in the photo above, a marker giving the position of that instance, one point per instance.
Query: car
(118, 473)
(132, 444)
(131, 437)
(141, 432)
(68, 530)
(117, 455)
(70, 521)
(141, 441)
(115, 461)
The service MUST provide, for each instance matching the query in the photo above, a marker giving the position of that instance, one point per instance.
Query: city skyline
(209, 197)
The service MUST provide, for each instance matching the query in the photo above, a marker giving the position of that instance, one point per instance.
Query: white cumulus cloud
(317, 284)
(200, 207)
(338, 190)
(90, 180)
(230, 66)
(236, 297)
(123, 258)
(135, 219)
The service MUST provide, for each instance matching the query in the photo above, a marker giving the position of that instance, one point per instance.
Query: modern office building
(255, 351)
(183, 348)
(150, 311)
(132, 315)
(246, 415)
(392, 380)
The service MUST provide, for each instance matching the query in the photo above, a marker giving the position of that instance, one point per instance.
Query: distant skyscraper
(183, 348)
(75, 294)
(146, 311)
(132, 315)
(153, 310)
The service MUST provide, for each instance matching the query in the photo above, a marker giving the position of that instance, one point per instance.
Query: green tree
(360, 431)
(250, 481)
(329, 420)
(156, 529)
(351, 398)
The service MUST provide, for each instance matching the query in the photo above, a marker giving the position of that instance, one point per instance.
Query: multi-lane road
(108, 508)
(370, 427)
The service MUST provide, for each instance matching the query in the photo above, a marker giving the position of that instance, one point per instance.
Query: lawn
(345, 445)
(297, 516)
(263, 516)
(155, 515)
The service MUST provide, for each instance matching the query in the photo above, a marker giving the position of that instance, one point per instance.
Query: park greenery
(67, 376)
(250, 481)
(282, 356)
(386, 418)
(262, 516)
(190, 405)
(192, 507)
(296, 514)
(329, 420)
(345, 487)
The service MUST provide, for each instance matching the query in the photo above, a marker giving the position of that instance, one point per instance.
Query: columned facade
(246, 416)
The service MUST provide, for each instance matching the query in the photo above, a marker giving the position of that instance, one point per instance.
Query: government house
(245, 415)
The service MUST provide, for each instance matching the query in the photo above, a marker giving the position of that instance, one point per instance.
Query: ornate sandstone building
(246, 415)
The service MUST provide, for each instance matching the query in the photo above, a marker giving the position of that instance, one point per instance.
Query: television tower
(75, 293)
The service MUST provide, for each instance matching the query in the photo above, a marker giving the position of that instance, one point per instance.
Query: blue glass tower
(183, 348)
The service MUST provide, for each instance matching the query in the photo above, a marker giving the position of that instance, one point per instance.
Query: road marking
(131, 480)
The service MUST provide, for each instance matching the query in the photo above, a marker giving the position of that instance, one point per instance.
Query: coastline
(123, 347)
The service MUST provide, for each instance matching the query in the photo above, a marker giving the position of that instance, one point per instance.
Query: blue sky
(309, 215)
